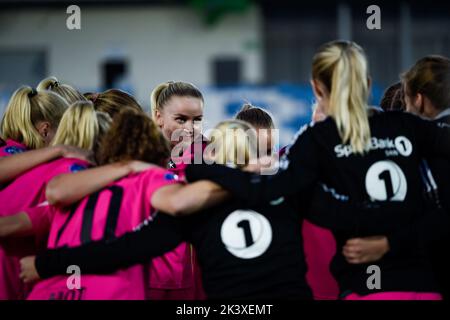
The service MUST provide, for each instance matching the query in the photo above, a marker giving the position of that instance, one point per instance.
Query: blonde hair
(342, 67)
(163, 92)
(80, 126)
(26, 108)
(235, 143)
(64, 90)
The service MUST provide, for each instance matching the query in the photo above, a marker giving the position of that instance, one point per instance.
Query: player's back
(106, 214)
(250, 252)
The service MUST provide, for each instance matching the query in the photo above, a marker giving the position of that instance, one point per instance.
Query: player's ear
(317, 89)
(159, 119)
(419, 103)
(43, 127)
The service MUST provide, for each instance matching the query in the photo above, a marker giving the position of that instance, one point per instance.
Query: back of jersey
(106, 214)
(388, 171)
(250, 252)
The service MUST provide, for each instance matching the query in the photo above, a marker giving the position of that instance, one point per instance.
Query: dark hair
(112, 101)
(430, 76)
(393, 98)
(257, 117)
(134, 136)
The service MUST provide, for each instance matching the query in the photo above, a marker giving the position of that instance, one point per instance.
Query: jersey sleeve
(158, 178)
(155, 238)
(433, 138)
(298, 170)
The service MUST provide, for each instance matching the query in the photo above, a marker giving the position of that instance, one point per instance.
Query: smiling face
(181, 119)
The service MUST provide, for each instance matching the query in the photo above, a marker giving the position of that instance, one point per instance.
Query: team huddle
(147, 208)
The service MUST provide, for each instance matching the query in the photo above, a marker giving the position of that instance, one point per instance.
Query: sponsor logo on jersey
(400, 146)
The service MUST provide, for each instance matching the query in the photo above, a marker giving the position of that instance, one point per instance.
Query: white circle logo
(246, 234)
(403, 146)
(385, 181)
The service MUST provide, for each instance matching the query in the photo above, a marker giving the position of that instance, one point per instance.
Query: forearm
(67, 189)
(15, 225)
(13, 166)
(251, 188)
(102, 257)
(197, 196)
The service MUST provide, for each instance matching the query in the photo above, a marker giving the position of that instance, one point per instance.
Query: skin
(46, 130)
(14, 165)
(181, 115)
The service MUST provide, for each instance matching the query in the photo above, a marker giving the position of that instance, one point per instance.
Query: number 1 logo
(246, 234)
(385, 181)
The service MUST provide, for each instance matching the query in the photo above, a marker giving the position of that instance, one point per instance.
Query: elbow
(176, 207)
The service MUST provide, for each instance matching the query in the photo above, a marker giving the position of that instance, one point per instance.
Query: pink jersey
(9, 289)
(11, 147)
(177, 271)
(320, 247)
(26, 191)
(109, 213)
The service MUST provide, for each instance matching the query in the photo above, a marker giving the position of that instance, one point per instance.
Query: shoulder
(158, 174)
(68, 165)
(10, 147)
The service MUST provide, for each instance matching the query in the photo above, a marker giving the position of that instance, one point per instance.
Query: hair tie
(54, 85)
(32, 93)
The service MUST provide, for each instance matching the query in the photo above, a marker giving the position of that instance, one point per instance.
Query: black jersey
(244, 252)
(387, 172)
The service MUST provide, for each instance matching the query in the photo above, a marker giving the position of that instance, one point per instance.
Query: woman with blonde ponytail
(81, 126)
(69, 93)
(30, 122)
(360, 158)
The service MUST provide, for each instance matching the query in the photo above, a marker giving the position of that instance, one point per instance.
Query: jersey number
(88, 215)
(385, 181)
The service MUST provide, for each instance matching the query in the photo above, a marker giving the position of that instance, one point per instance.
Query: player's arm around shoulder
(66, 189)
(181, 199)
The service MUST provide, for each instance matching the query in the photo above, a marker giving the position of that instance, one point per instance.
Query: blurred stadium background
(234, 50)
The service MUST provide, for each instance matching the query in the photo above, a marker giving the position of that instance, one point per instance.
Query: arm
(298, 170)
(88, 181)
(177, 199)
(418, 236)
(157, 237)
(12, 166)
(15, 225)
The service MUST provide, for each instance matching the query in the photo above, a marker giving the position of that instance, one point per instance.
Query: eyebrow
(183, 115)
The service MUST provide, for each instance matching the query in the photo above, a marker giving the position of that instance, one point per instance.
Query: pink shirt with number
(109, 213)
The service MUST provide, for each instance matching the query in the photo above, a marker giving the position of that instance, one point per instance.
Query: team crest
(14, 150)
(76, 167)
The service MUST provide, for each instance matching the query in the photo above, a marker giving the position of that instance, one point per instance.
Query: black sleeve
(333, 211)
(432, 137)
(298, 170)
(106, 256)
(430, 228)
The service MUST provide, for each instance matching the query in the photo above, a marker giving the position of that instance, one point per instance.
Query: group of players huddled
(100, 200)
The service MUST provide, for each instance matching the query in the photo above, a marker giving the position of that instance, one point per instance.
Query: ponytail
(26, 108)
(342, 68)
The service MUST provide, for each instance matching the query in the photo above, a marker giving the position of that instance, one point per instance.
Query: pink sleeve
(66, 165)
(159, 178)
